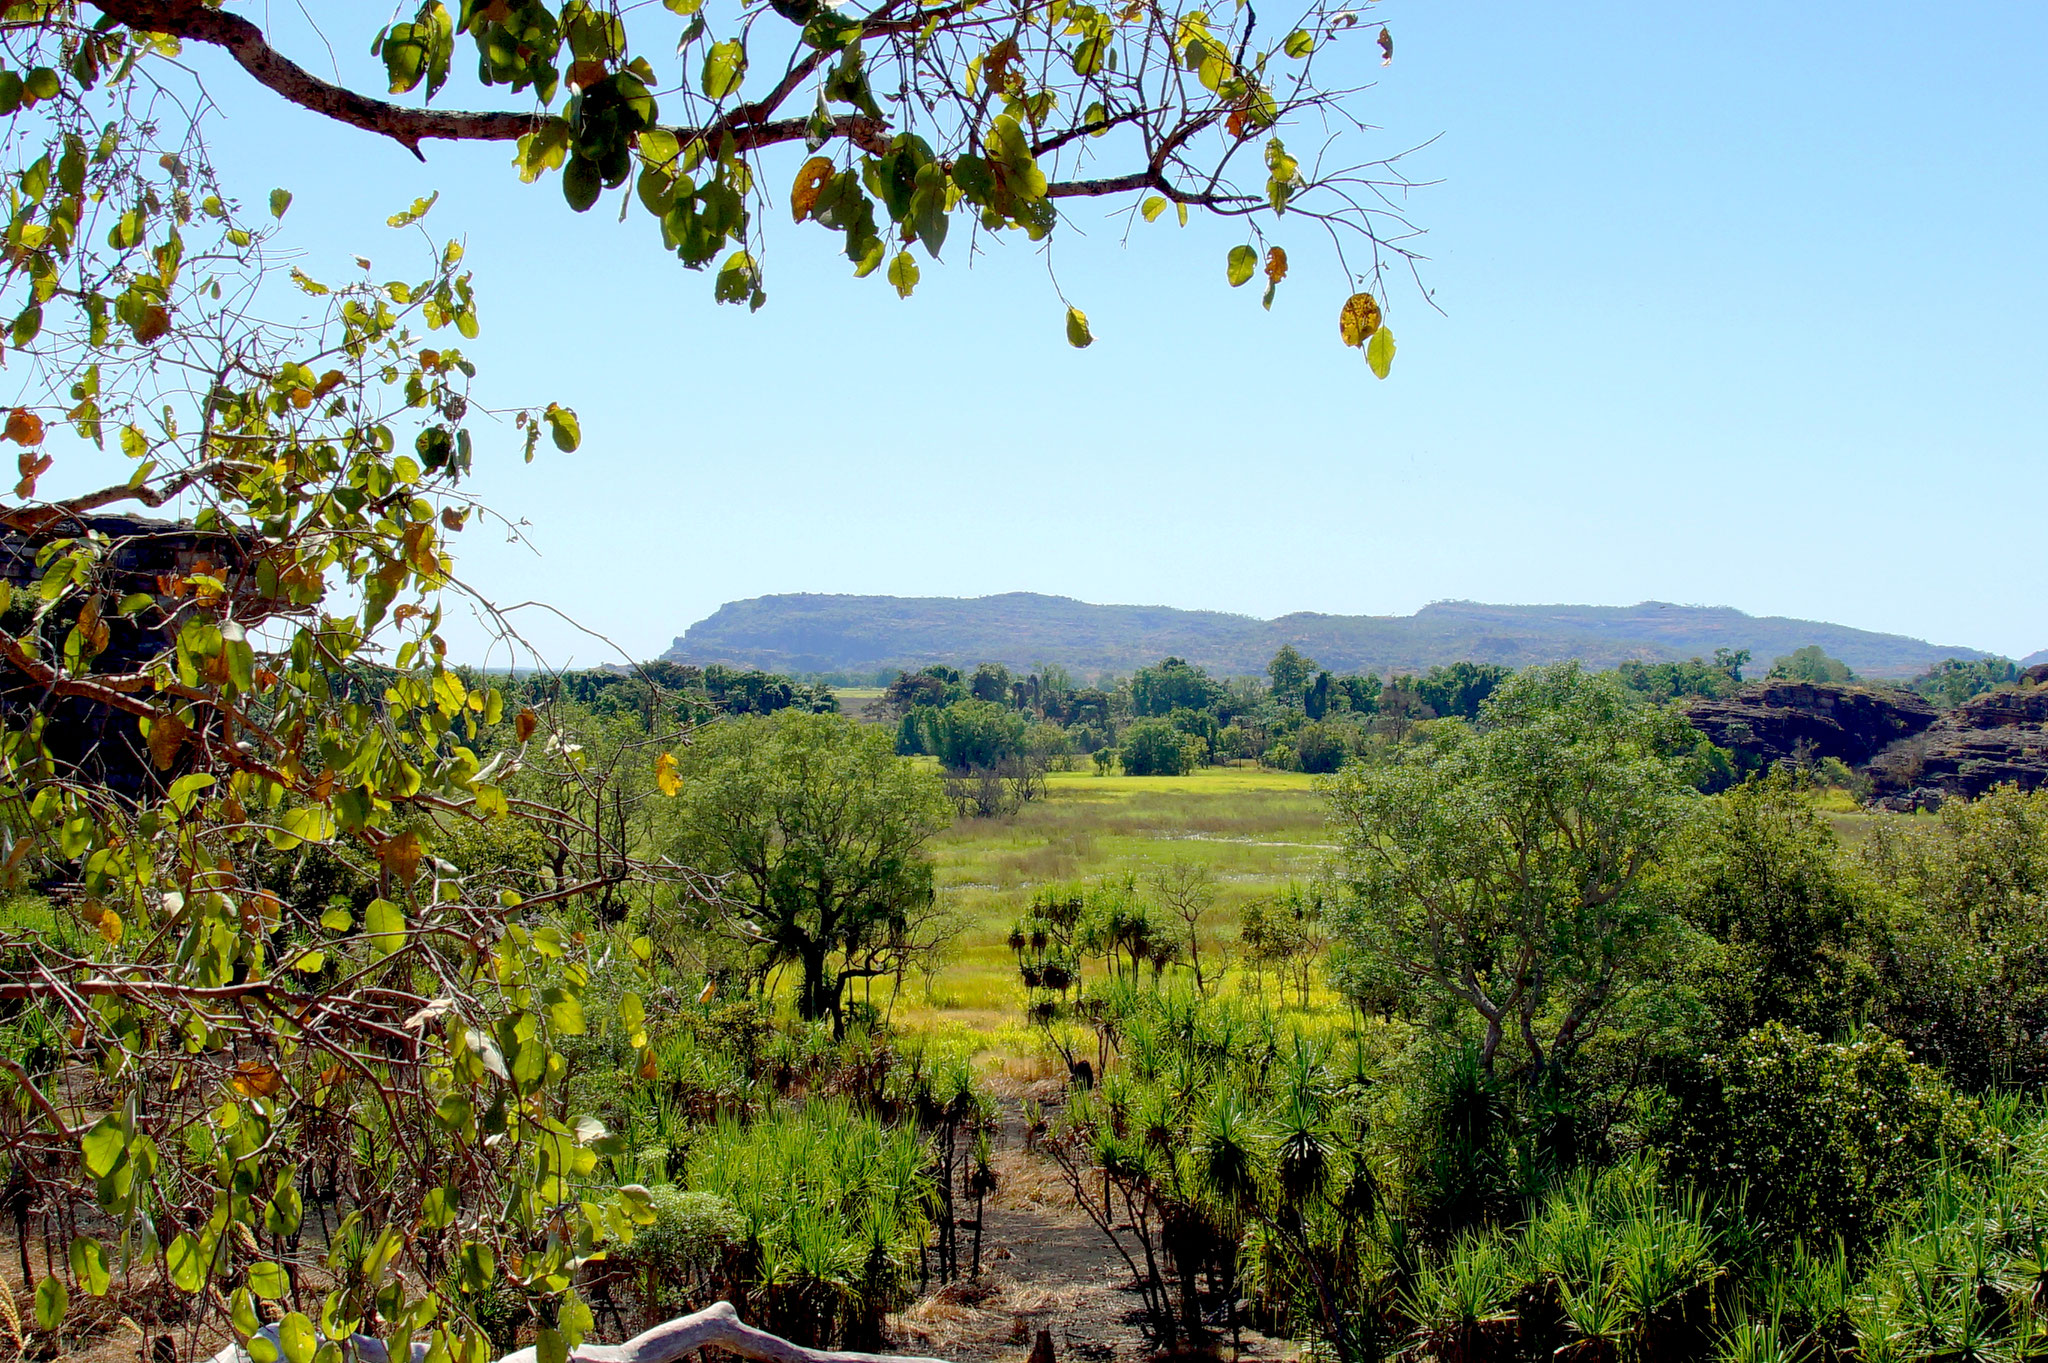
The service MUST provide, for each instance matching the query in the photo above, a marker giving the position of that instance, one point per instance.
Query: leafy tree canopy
(819, 831)
(1501, 867)
(1811, 664)
(924, 124)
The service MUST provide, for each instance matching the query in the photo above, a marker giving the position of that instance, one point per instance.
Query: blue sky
(1739, 307)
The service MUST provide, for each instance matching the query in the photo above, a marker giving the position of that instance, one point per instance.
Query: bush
(1762, 875)
(1321, 748)
(833, 1213)
(1964, 960)
(1154, 747)
(1824, 1138)
(675, 1263)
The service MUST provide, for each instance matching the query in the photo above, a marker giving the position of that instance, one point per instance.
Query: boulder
(1804, 722)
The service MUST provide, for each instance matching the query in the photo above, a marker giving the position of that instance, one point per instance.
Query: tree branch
(244, 41)
(196, 22)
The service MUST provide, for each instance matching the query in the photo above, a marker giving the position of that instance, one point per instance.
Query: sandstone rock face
(1786, 721)
(1988, 740)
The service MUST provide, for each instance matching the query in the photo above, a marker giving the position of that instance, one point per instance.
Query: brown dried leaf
(32, 467)
(24, 427)
(166, 736)
(1276, 265)
(526, 722)
(996, 66)
(256, 1079)
(1386, 47)
(1359, 319)
(154, 326)
(401, 855)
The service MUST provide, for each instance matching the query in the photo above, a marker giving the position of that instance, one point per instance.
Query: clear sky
(1740, 307)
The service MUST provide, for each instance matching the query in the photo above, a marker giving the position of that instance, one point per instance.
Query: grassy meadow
(1255, 830)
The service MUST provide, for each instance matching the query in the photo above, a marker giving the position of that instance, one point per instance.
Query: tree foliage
(819, 832)
(922, 124)
(1503, 866)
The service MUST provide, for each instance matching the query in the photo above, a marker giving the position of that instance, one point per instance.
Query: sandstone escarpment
(1804, 722)
(1998, 737)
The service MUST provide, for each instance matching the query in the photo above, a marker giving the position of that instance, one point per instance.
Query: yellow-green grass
(1257, 831)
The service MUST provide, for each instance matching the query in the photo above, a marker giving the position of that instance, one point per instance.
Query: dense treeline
(1173, 717)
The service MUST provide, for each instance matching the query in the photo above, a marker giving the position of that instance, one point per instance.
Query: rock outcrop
(1986, 741)
(1804, 722)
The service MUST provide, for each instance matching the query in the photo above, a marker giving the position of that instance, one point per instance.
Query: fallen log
(717, 1325)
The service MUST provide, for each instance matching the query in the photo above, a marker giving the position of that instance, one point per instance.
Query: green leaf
(286, 1210)
(242, 1314)
(186, 1265)
(565, 1012)
(304, 823)
(903, 273)
(1298, 45)
(1379, 352)
(268, 1281)
(385, 921)
(310, 962)
(725, 66)
(89, 1265)
(337, 919)
(185, 790)
(419, 209)
(280, 200)
(1078, 335)
(479, 1266)
(551, 1346)
(1153, 206)
(562, 425)
(1243, 260)
(295, 1335)
(582, 183)
(102, 1145)
(52, 1301)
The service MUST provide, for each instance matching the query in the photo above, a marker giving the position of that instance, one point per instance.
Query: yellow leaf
(810, 183)
(667, 776)
(1359, 319)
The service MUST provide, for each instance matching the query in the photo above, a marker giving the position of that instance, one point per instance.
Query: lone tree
(1501, 867)
(916, 116)
(819, 830)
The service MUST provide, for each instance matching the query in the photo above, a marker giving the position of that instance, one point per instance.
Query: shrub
(1825, 1138)
(832, 1213)
(1321, 748)
(1964, 961)
(675, 1262)
(1154, 747)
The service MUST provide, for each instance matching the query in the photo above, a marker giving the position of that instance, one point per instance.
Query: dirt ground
(1045, 1267)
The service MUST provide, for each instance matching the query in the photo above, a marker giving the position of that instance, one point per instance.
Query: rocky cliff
(1988, 740)
(1785, 721)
